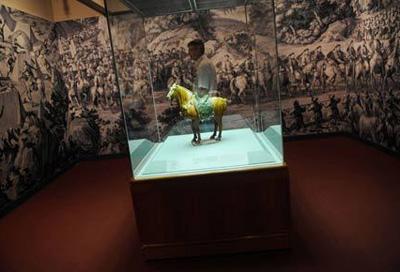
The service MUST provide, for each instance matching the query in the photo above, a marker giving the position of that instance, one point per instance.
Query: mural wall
(338, 71)
(94, 114)
(33, 105)
(339, 68)
(58, 99)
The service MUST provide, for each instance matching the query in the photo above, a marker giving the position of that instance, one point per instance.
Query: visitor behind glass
(206, 75)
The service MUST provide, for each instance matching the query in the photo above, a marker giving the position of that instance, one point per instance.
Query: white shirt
(206, 75)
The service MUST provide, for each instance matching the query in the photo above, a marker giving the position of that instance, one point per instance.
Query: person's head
(196, 49)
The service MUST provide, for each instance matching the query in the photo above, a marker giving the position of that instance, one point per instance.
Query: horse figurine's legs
(215, 129)
(196, 131)
(217, 126)
(218, 120)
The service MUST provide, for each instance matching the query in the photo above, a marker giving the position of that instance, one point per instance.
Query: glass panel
(132, 66)
(267, 74)
(169, 95)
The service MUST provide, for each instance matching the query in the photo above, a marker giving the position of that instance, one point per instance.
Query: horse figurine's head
(172, 91)
(179, 92)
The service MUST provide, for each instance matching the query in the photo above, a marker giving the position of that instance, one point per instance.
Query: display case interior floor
(238, 149)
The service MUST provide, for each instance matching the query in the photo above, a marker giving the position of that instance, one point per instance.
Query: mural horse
(193, 109)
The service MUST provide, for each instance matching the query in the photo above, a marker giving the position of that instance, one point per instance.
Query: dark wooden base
(214, 213)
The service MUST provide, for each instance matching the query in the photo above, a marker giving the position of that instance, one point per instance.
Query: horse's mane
(184, 95)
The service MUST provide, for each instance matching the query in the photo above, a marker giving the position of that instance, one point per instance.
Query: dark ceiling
(150, 8)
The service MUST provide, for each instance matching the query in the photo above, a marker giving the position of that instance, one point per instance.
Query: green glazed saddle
(204, 107)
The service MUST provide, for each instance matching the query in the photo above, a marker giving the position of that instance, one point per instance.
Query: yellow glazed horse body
(189, 108)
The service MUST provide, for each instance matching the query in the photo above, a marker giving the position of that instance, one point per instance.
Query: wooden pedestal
(213, 213)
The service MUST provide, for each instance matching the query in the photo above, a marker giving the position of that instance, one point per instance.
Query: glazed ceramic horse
(190, 109)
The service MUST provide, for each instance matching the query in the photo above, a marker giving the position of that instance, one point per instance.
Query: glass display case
(199, 85)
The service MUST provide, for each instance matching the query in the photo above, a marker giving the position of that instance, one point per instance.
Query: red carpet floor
(345, 199)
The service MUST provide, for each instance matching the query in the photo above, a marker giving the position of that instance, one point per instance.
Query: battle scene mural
(33, 106)
(58, 99)
(94, 120)
(339, 68)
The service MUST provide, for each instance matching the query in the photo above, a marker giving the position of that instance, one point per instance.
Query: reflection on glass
(199, 89)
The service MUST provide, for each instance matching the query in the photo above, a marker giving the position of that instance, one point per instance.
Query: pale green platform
(176, 156)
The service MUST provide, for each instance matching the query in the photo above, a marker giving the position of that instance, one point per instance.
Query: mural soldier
(368, 104)
(2, 25)
(317, 109)
(347, 105)
(298, 115)
(333, 105)
(318, 54)
(352, 58)
(338, 55)
(227, 66)
(305, 57)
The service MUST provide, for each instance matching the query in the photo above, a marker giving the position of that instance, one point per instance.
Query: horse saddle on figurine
(204, 107)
